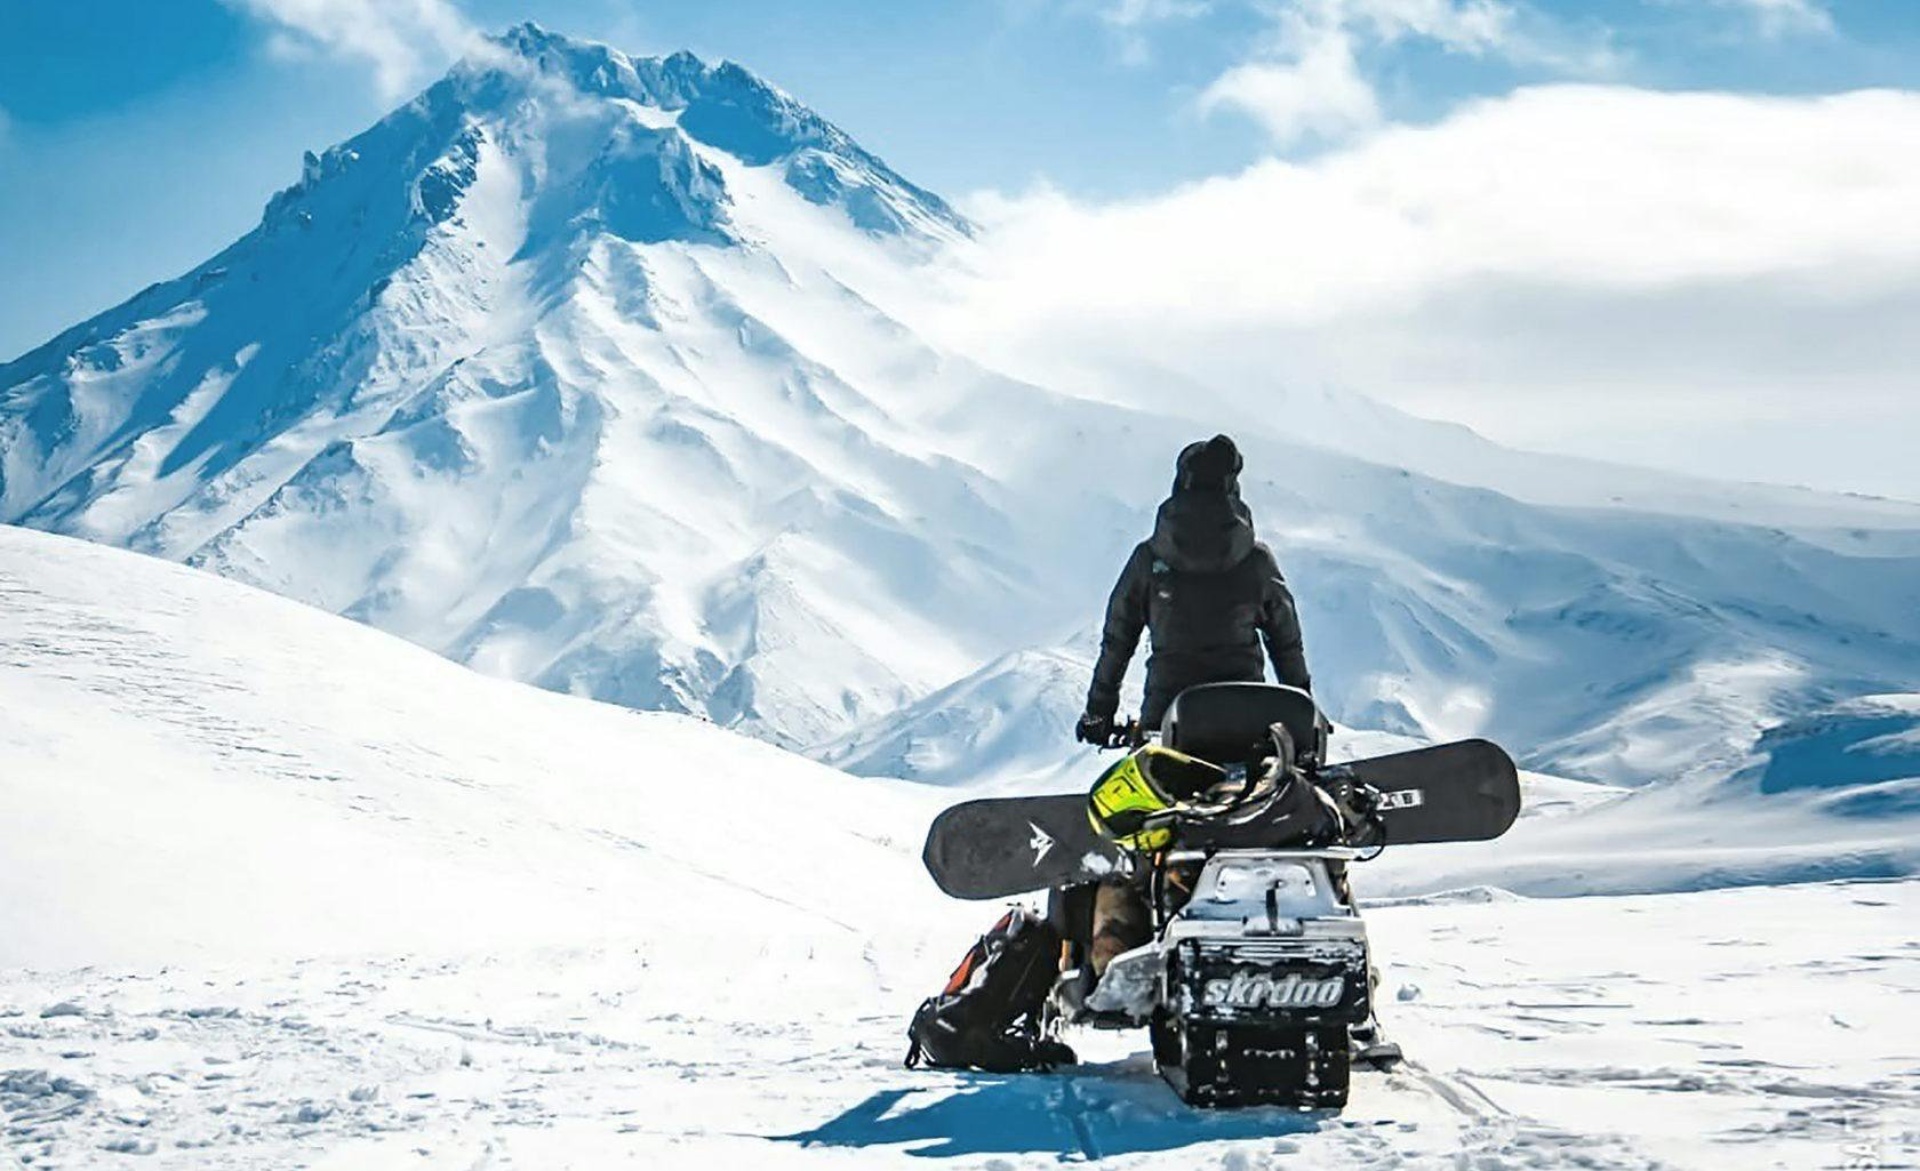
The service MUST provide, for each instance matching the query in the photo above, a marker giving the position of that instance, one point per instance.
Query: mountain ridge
(536, 375)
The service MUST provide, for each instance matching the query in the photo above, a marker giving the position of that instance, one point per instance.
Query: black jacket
(1209, 594)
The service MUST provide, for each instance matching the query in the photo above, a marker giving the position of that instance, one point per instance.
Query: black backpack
(988, 1015)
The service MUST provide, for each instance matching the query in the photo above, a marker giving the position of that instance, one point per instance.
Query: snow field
(281, 890)
(1690, 1031)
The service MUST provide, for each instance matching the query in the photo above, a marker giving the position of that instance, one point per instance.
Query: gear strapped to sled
(998, 847)
(1129, 800)
(1254, 978)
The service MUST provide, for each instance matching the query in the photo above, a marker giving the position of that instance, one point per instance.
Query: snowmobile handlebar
(1127, 735)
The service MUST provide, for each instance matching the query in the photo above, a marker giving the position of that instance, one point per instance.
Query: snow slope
(281, 890)
(607, 374)
(197, 770)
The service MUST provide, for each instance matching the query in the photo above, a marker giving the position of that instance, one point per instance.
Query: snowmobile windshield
(1203, 532)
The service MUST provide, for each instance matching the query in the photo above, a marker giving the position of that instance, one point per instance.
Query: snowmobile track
(1076, 1115)
(1460, 1095)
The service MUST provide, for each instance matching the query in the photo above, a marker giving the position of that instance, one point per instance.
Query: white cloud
(1132, 20)
(1307, 80)
(1318, 92)
(1467, 26)
(404, 41)
(1135, 13)
(1781, 18)
(1536, 265)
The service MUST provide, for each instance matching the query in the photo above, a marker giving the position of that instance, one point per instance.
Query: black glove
(1094, 729)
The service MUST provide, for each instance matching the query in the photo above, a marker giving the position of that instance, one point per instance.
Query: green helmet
(1127, 802)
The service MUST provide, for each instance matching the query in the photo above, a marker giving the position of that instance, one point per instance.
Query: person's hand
(1093, 729)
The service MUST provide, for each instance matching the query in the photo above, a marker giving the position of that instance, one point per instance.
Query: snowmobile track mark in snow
(1458, 1095)
(1076, 1113)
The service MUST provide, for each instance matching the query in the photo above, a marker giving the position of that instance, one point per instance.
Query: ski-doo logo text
(1255, 989)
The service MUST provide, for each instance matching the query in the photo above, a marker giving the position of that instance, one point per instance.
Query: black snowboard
(1468, 791)
(995, 847)
(1000, 846)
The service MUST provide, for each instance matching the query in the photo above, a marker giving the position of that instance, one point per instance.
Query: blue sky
(139, 137)
(1727, 272)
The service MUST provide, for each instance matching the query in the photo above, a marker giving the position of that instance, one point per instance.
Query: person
(1209, 594)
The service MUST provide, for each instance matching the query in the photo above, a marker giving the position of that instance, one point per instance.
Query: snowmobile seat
(1227, 723)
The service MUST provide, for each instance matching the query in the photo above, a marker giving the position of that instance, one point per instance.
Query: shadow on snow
(1098, 1110)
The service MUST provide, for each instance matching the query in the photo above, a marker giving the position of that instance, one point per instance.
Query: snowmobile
(1256, 986)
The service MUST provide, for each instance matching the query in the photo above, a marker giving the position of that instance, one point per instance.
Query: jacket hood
(1211, 465)
(1202, 532)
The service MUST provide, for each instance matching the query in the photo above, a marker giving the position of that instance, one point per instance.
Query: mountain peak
(724, 106)
(597, 68)
(530, 37)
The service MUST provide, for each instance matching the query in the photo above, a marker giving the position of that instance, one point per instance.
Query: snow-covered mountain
(522, 375)
(603, 373)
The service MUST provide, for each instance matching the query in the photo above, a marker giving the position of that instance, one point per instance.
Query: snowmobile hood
(1202, 532)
